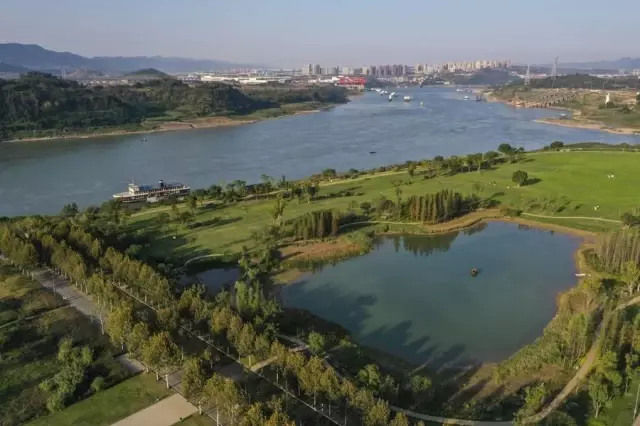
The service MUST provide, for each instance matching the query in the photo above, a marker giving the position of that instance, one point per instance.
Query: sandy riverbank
(570, 122)
(169, 126)
(576, 124)
(163, 127)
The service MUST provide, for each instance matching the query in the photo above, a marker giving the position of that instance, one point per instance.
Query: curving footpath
(599, 219)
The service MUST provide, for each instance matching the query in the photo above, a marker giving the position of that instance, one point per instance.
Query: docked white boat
(152, 193)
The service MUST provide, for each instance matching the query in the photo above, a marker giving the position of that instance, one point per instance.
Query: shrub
(510, 211)
(556, 145)
(366, 208)
(520, 177)
(97, 384)
(630, 220)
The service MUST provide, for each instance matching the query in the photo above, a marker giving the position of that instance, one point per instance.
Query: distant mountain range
(12, 68)
(37, 58)
(622, 63)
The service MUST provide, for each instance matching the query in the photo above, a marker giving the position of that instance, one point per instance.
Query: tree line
(152, 338)
(38, 102)
(437, 207)
(316, 224)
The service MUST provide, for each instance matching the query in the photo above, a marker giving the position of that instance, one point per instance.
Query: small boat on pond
(372, 152)
(474, 272)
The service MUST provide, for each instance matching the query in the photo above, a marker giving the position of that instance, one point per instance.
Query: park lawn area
(621, 411)
(28, 351)
(110, 405)
(196, 420)
(564, 184)
(21, 297)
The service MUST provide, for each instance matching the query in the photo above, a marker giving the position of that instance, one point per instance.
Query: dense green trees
(438, 207)
(150, 334)
(604, 382)
(316, 224)
(39, 102)
(60, 388)
(617, 248)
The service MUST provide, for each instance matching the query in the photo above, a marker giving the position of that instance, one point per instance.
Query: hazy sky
(340, 32)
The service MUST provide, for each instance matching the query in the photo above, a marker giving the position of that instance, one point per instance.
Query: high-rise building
(317, 70)
(307, 69)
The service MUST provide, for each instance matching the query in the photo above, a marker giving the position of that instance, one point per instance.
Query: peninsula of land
(589, 102)
(41, 107)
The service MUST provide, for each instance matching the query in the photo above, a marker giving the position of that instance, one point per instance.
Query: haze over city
(288, 34)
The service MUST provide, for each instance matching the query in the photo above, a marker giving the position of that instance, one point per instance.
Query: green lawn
(28, 348)
(621, 411)
(196, 420)
(566, 184)
(21, 297)
(110, 405)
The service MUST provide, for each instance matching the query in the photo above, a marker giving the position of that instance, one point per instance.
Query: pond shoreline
(293, 274)
(388, 360)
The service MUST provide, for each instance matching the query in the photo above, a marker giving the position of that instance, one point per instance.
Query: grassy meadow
(110, 405)
(562, 185)
(28, 347)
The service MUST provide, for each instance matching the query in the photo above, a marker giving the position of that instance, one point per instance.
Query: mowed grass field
(29, 346)
(110, 405)
(563, 184)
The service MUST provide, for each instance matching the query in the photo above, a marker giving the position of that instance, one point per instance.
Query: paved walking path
(164, 413)
(84, 304)
(600, 219)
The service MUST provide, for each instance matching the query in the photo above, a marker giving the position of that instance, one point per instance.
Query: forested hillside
(39, 102)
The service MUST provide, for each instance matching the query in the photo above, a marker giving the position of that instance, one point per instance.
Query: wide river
(40, 177)
(414, 297)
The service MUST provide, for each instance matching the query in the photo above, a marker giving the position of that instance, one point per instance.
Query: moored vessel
(152, 193)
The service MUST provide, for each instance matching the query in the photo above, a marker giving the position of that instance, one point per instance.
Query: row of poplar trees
(94, 270)
(438, 207)
(316, 224)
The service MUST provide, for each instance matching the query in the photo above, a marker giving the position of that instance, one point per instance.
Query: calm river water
(414, 297)
(40, 177)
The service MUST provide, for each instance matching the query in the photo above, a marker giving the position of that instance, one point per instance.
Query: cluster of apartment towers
(399, 70)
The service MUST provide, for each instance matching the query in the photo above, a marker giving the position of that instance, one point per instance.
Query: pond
(414, 296)
(214, 280)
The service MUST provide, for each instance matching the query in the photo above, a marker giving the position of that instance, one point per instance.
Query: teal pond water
(414, 297)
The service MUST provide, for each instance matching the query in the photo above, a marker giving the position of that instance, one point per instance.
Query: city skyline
(281, 34)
